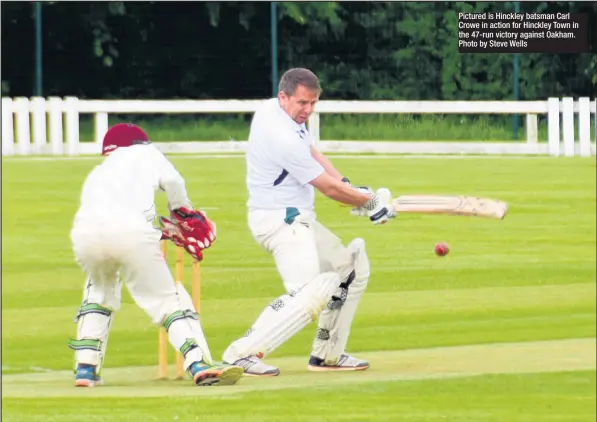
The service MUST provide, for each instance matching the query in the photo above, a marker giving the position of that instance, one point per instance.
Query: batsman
(113, 238)
(324, 279)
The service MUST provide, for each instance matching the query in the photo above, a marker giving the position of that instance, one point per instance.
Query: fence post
(568, 125)
(101, 127)
(8, 142)
(553, 126)
(56, 121)
(38, 111)
(72, 125)
(595, 120)
(584, 126)
(532, 131)
(314, 127)
(23, 130)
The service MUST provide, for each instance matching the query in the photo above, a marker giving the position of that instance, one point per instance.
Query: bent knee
(361, 263)
(160, 308)
(314, 296)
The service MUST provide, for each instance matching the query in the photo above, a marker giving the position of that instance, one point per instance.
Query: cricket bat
(451, 205)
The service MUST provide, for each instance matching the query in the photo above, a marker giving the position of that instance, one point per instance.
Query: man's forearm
(176, 192)
(338, 191)
(326, 163)
(346, 195)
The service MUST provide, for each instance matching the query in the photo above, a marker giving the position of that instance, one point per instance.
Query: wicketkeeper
(113, 238)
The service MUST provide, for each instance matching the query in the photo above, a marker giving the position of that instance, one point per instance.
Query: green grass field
(500, 330)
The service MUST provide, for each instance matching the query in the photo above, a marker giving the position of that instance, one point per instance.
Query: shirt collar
(301, 129)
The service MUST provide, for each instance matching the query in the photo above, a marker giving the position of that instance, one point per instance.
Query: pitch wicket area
(196, 297)
(405, 365)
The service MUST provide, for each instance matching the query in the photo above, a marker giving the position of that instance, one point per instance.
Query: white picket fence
(54, 125)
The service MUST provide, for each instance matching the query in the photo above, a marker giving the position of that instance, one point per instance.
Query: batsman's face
(299, 105)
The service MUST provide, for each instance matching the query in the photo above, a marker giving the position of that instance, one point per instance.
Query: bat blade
(451, 205)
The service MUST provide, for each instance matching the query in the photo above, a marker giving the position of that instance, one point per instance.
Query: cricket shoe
(345, 363)
(86, 376)
(254, 367)
(219, 374)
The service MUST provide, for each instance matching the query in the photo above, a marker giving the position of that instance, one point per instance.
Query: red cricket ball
(441, 249)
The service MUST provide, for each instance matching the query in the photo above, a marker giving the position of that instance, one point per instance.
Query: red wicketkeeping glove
(195, 231)
(170, 231)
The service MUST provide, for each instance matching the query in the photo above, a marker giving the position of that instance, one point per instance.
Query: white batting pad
(334, 325)
(284, 317)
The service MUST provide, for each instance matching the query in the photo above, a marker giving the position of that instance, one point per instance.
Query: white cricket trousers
(110, 246)
(302, 247)
(125, 247)
(305, 252)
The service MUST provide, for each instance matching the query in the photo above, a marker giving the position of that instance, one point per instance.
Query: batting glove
(379, 208)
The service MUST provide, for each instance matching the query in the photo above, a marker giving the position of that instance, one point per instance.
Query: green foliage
(5, 88)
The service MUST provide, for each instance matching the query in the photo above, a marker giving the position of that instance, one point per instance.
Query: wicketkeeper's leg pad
(185, 332)
(101, 298)
(94, 321)
(284, 317)
(335, 321)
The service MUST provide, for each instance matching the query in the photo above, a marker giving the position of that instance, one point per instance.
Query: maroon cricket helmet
(123, 135)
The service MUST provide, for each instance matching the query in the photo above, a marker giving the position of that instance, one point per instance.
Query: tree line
(360, 50)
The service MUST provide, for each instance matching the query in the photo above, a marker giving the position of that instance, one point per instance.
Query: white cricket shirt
(126, 183)
(279, 161)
